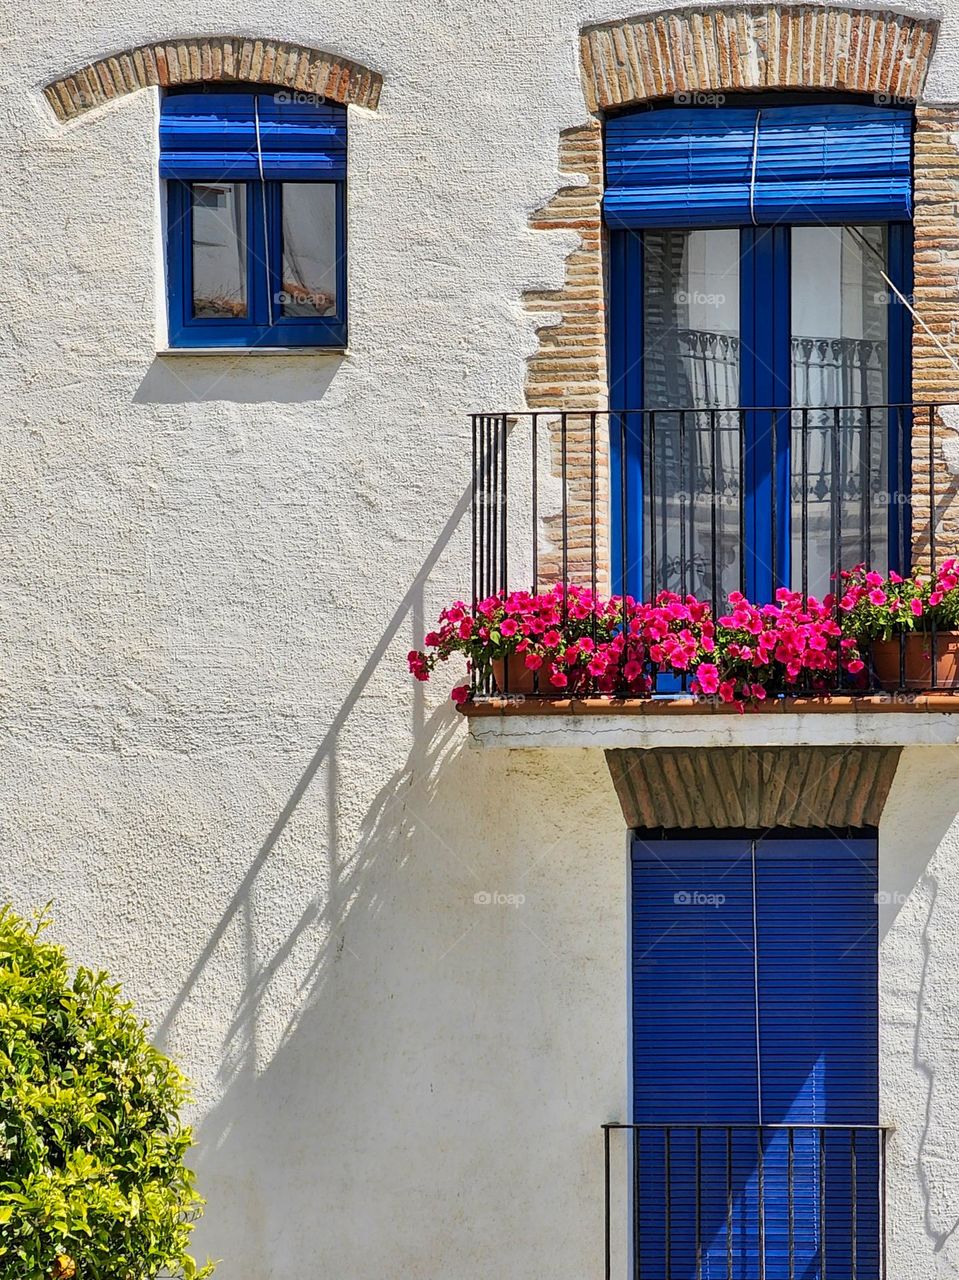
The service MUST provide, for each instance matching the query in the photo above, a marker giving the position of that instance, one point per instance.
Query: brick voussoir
(211, 59)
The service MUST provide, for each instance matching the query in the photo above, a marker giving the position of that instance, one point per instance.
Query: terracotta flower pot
(520, 677)
(918, 661)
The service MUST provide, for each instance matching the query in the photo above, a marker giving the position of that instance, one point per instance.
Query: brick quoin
(679, 53)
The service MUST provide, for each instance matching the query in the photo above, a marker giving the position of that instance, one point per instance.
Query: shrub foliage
(93, 1184)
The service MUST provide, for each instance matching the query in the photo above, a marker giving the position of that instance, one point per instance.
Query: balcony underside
(882, 720)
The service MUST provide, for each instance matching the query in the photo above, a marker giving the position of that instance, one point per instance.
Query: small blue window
(256, 243)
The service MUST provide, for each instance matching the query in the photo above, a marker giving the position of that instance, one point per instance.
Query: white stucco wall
(213, 760)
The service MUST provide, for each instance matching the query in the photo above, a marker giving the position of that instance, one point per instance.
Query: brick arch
(207, 59)
(738, 48)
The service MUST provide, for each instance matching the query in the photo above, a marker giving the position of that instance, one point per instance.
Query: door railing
(776, 1201)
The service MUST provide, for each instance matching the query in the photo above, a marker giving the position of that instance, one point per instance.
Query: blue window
(759, 343)
(256, 253)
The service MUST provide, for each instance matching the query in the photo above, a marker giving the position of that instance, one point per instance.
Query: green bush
(92, 1179)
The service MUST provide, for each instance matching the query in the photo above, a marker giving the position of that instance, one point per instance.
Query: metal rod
(667, 1164)
(563, 461)
(853, 1225)
(534, 447)
(761, 1170)
(822, 1205)
(699, 1205)
(791, 1201)
(592, 511)
(504, 570)
(729, 1204)
(609, 1270)
(653, 513)
(637, 1224)
(713, 501)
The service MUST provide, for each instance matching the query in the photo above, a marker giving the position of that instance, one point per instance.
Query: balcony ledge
(895, 720)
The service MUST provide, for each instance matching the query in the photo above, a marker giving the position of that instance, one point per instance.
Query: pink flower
(707, 676)
(877, 597)
(916, 606)
(460, 694)
(508, 627)
(558, 678)
(533, 661)
(465, 629)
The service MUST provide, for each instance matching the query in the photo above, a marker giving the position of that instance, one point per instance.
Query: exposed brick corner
(210, 59)
(935, 377)
(725, 49)
(568, 371)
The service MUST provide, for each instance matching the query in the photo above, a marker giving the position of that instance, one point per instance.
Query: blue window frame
(761, 183)
(256, 220)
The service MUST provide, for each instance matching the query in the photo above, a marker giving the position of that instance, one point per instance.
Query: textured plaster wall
(212, 759)
(919, 1002)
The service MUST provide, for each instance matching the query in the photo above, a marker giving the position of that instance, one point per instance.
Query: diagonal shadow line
(319, 757)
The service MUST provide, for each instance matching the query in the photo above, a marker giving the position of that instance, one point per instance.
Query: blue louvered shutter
(722, 1025)
(213, 137)
(817, 930)
(816, 164)
(694, 1047)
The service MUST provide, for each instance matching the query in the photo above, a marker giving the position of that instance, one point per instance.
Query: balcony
(778, 1201)
(708, 501)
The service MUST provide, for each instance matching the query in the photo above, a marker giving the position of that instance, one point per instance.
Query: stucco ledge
(893, 720)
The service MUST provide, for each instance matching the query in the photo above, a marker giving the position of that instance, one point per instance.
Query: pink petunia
(707, 674)
(460, 694)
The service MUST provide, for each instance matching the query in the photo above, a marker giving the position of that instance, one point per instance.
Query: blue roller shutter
(214, 137)
(817, 930)
(719, 167)
(731, 1033)
(694, 1049)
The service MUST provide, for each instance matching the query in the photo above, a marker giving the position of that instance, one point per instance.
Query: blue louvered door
(754, 979)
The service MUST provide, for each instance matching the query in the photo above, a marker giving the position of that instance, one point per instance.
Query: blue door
(755, 1056)
(756, 262)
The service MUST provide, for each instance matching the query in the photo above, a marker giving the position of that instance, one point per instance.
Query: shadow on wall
(916, 849)
(370, 1129)
(257, 378)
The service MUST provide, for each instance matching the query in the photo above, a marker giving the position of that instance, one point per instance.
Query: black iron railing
(708, 501)
(724, 1202)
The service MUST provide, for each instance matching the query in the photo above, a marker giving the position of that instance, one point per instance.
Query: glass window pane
(309, 249)
(691, 364)
(219, 250)
(839, 348)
